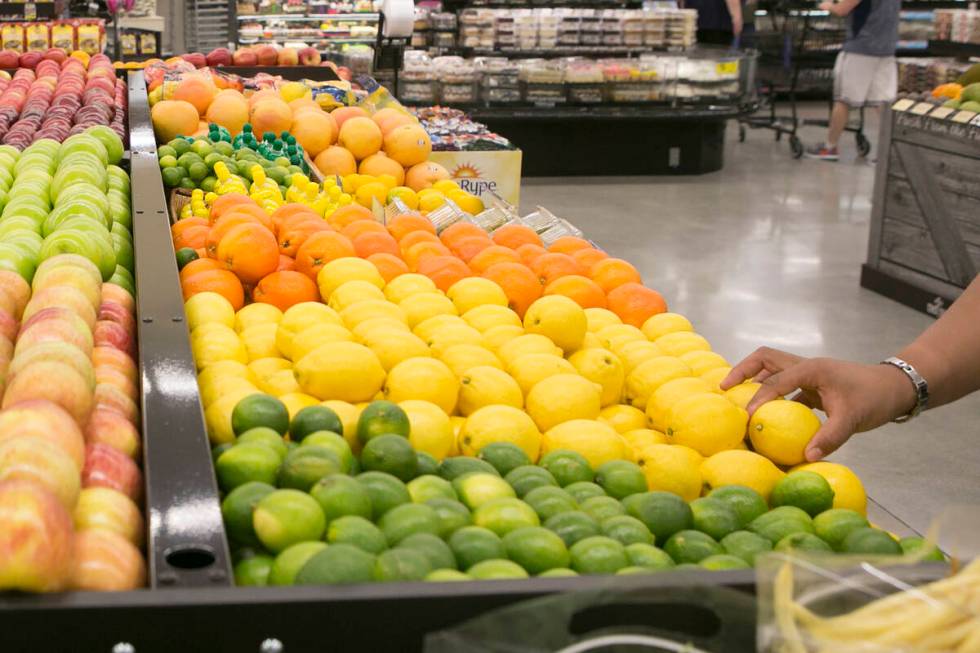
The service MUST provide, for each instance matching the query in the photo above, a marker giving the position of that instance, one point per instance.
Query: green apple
(85, 142)
(79, 207)
(119, 211)
(48, 146)
(29, 241)
(36, 214)
(87, 192)
(14, 259)
(74, 241)
(121, 230)
(124, 251)
(110, 139)
(17, 223)
(126, 283)
(35, 160)
(83, 222)
(34, 173)
(75, 261)
(81, 158)
(10, 150)
(6, 177)
(118, 179)
(126, 275)
(78, 174)
(33, 192)
(7, 161)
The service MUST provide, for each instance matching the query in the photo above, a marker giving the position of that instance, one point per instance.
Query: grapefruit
(230, 110)
(173, 118)
(423, 175)
(343, 114)
(314, 130)
(336, 160)
(409, 145)
(379, 164)
(360, 136)
(270, 115)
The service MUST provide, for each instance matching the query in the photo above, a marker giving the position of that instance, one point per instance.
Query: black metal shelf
(554, 53)
(954, 49)
(26, 10)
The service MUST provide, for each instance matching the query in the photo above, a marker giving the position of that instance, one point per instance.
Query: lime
(167, 160)
(527, 477)
(217, 450)
(631, 571)
(288, 563)
(626, 530)
(602, 508)
(172, 176)
(780, 522)
(212, 159)
(208, 183)
(304, 466)
(247, 462)
(572, 526)
(473, 544)
(504, 515)
(408, 519)
(452, 515)
(335, 443)
(833, 525)
(582, 490)
(662, 512)
(438, 553)
(496, 570)
(621, 478)
(802, 542)
(723, 561)
(598, 555)
(808, 491)
(284, 517)
(427, 463)
(358, 532)
(423, 488)
(224, 148)
(187, 159)
(558, 572)
(184, 256)
(180, 145)
(504, 456)
(447, 575)
(715, 517)
(186, 182)
(237, 509)
(549, 501)
(260, 410)
(312, 419)
(391, 454)
(340, 495)
(265, 435)
(746, 502)
(401, 565)
(198, 170)
(380, 418)
(338, 563)
(166, 150)
(913, 545)
(201, 147)
(253, 572)
(567, 467)
(385, 491)
(649, 556)
(746, 545)
(536, 549)
(870, 540)
(691, 546)
(478, 488)
(450, 468)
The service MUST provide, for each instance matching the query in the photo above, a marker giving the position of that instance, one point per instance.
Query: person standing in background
(719, 21)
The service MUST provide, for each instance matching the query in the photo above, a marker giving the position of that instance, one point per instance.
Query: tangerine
(519, 283)
(321, 248)
(515, 235)
(634, 303)
(284, 289)
(610, 273)
(583, 291)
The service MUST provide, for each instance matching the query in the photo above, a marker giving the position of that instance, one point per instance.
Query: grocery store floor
(768, 252)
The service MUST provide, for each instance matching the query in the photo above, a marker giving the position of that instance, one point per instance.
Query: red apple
(116, 359)
(109, 426)
(196, 59)
(107, 509)
(116, 312)
(35, 538)
(63, 296)
(58, 324)
(244, 57)
(219, 57)
(111, 334)
(114, 293)
(266, 55)
(47, 420)
(67, 275)
(106, 467)
(288, 57)
(30, 59)
(54, 381)
(309, 56)
(59, 352)
(40, 461)
(9, 59)
(116, 378)
(15, 290)
(56, 54)
(106, 562)
(8, 325)
(75, 260)
(112, 397)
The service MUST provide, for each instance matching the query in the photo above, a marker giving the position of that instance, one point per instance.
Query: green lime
(504, 515)
(358, 532)
(335, 443)
(438, 553)
(187, 159)
(780, 522)
(401, 565)
(427, 463)
(184, 256)
(558, 572)
(567, 467)
(168, 161)
(217, 450)
(649, 556)
(260, 410)
(208, 183)
(715, 517)
(527, 477)
(391, 454)
(247, 462)
(478, 488)
(304, 466)
(198, 170)
(450, 468)
(802, 542)
(288, 563)
(284, 517)
(746, 545)
(172, 176)
(598, 555)
(237, 509)
(621, 478)
(549, 501)
(662, 512)
(180, 145)
(723, 561)
(340, 495)
(201, 147)
(504, 456)
(583, 490)
(746, 502)
(423, 488)
(602, 508)
(385, 491)
(212, 159)
(808, 491)
(572, 526)
(166, 150)
(913, 545)
(338, 563)
(380, 418)
(633, 571)
(187, 183)
(408, 519)
(451, 513)
(626, 530)
(447, 575)
(268, 437)
(473, 544)
(870, 541)
(224, 148)
(833, 525)
(691, 546)
(253, 571)
(496, 570)
(536, 549)
(312, 419)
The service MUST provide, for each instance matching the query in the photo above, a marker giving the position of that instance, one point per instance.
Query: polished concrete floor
(768, 252)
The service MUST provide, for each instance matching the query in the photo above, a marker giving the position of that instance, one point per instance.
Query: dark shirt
(872, 28)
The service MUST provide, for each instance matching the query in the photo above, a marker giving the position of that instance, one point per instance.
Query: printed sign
(481, 172)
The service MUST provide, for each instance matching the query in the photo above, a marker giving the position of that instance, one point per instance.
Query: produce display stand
(292, 73)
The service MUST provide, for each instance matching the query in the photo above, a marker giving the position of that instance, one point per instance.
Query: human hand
(854, 396)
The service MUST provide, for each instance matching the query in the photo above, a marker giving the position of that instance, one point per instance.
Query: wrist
(900, 392)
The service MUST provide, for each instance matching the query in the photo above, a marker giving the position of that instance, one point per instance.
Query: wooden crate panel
(911, 247)
(901, 204)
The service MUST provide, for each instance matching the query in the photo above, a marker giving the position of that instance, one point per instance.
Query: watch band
(919, 383)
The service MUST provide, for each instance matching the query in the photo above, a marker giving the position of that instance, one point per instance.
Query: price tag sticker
(922, 108)
(726, 68)
(963, 116)
(941, 112)
(30, 11)
(903, 105)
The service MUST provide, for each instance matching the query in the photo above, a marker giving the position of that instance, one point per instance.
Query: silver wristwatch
(920, 384)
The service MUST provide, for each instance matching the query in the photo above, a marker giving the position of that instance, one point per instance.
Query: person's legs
(838, 121)
(853, 77)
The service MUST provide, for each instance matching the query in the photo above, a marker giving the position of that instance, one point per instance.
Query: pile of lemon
(366, 189)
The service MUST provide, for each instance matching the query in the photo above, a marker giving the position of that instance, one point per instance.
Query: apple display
(61, 296)
(106, 467)
(67, 259)
(244, 57)
(46, 420)
(115, 312)
(110, 376)
(117, 359)
(266, 55)
(112, 334)
(54, 381)
(106, 562)
(68, 276)
(309, 56)
(42, 462)
(219, 57)
(108, 509)
(61, 352)
(110, 427)
(109, 396)
(36, 538)
(55, 323)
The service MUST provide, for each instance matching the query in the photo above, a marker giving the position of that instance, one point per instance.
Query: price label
(963, 116)
(922, 108)
(30, 11)
(727, 68)
(903, 105)
(941, 112)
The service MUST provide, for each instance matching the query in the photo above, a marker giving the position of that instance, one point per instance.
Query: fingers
(834, 432)
(808, 398)
(762, 359)
(781, 384)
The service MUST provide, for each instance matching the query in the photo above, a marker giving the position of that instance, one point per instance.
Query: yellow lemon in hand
(781, 429)
(715, 376)
(702, 361)
(742, 394)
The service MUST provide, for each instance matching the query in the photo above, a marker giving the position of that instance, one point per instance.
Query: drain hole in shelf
(190, 557)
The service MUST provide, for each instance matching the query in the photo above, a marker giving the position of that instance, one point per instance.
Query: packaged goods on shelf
(85, 34)
(451, 129)
(957, 25)
(918, 75)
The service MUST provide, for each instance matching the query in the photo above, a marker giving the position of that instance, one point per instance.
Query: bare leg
(838, 121)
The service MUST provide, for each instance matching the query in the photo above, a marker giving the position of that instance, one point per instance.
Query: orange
(469, 247)
(348, 213)
(224, 203)
(335, 160)
(389, 265)
(182, 225)
(256, 212)
(551, 266)
(225, 224)
(264, 94)
(294, 233)
(375, 243)
(355, 229)
(611, 273)
(343, 114)
(250, 251)
(530, 252)
(286, 263)
(416, 237)
(635, 303)
(491, 256)
(587, 257)
(423, 250)
(270, 115)
(284, 289)
(288, 210)
(360, 136)
(515, 235)
(456, 232)
(194, 237)
(520, 284)
(321, 248)
(388, 119)
(408, 144)
(583, 291)
(444, 270)
(197, 90)
(379, 164)
(404, 224)
(199, 265)
(314, 130)
(173, 118)
(228, 109)
(569, 244)
(222, 282)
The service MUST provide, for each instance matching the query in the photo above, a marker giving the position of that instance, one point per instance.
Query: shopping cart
(797, 45)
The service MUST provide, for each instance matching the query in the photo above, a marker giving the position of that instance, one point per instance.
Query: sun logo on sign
(466, 171)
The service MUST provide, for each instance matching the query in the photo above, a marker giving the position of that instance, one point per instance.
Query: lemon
(462, 358)
(664, 323)
(472, 292)
(669, 394)
(484, 385)
(430, 429)
(406, 195)
(207, 307)
(591, 341)
(297, 401)
(615, 336)
(603, 367)
(484, 318)
(596, 442)
(530, 369)
(393, 346)
(257, 313)
(672, 468)
(217, 416)
(352, 292)
(421, 306)
(468, 202)
(445, 185)
(781, 429)
(715, 377)
(495, 337)
(707, 423)
(623, 418)
(318, 334)
(260, 341)
(682, 342)
(279, 383)
(263, 368)
(456, 334)
(599, 318)
(299, 317)
(221, 386)
(341, 270)
(406, 285)
(294, 90)
(221, 343)
(348, 414)
(848, 490)
(430, 202)
(632, 353)
(457, 423)
(370, 192)
(225, 369)
(530, 343)
(367, 327)
(340, 370)
(559, 319)
(561, 398)
(703, 361)
(436, 322)
(742, 394)
(649, 375)
(740, 467)
(499, 423)
(422, 378)
(370, 309)
(640, 439)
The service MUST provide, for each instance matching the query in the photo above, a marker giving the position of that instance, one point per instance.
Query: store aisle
(768, 251)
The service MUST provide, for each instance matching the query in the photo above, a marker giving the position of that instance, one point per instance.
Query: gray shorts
(862, 80)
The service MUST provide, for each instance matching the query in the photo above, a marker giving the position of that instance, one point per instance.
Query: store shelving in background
(332, 29)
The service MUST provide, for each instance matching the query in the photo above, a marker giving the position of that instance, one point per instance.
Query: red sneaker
(823, 152)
